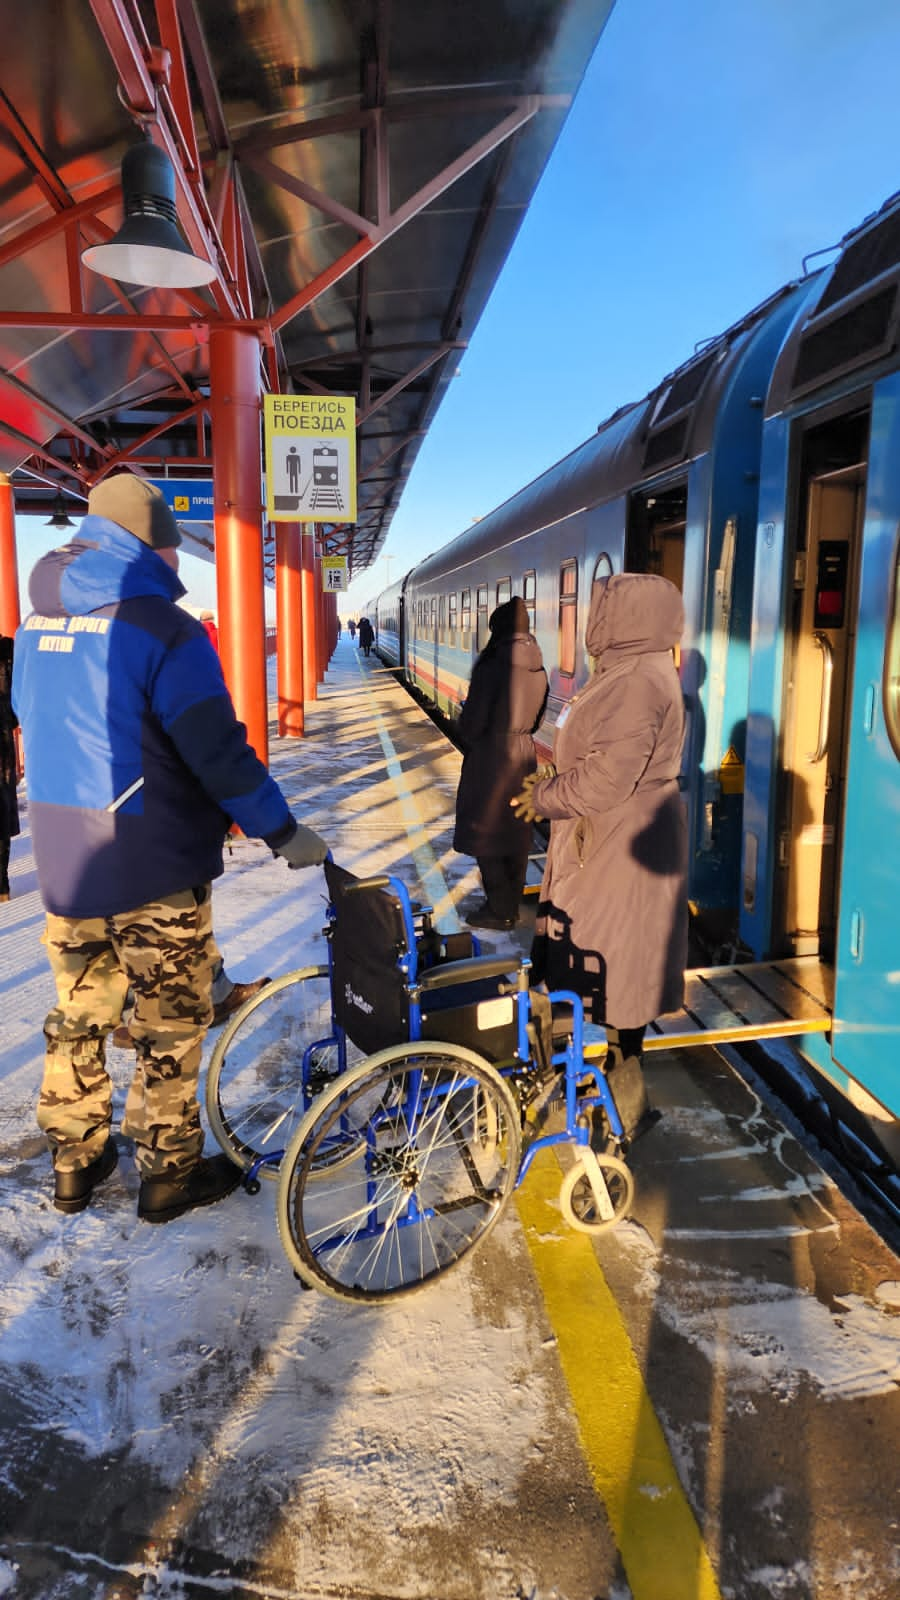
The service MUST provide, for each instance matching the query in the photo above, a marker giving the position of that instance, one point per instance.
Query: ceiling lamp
(60, 519)
(149, 249)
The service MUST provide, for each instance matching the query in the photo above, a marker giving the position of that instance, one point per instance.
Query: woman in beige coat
(612, 919)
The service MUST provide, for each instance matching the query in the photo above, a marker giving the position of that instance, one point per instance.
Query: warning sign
(334, 574)
(731, 772)
(310, 457)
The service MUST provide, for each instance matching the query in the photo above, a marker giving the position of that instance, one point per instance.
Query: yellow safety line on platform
(431, 877)
(654, 1527)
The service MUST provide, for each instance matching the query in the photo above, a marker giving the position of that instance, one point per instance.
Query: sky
(710, 148)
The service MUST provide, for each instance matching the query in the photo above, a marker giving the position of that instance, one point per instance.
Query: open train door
(866, 1032)
(820, 638)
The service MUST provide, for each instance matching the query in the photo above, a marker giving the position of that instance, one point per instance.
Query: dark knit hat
(511, 617)
(138, 507)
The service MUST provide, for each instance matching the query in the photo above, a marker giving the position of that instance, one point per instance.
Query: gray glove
(303, 848)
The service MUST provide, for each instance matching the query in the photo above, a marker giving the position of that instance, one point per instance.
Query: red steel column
(234, 377)
(10, 616)
(310, 609)
(289, 619)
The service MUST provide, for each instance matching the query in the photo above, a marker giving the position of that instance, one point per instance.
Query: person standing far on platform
(366, 635)
(9, 805)
(209, 625)
(351, 629)
(612, 918)
(136, 765)
(504, 705)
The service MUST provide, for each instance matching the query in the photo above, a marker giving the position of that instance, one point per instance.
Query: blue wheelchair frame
(569, 1060)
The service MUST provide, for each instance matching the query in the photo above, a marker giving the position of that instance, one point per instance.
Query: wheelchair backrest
(368, 941)
(369, 984)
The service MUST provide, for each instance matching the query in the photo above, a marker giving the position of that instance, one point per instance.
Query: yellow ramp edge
(655, 1529)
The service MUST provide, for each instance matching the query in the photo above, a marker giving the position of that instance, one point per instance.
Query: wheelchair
(399, 1095)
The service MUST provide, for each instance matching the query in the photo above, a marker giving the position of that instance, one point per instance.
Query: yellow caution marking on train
(632, 1469)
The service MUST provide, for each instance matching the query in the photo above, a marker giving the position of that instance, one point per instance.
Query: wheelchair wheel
(590, 1210)
(422, 1186)
(256, 1086)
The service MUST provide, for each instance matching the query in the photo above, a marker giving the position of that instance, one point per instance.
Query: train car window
(603, 568)
(482, 619)
(433, 613)
(568, 616)
(504, 591)
(529, 595)
(891, 686)
(453, 611)
(466, 610)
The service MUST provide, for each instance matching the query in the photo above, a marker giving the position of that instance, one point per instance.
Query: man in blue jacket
(135, 767)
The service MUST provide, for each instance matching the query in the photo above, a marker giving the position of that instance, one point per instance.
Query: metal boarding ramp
(762, 1000)
(723, 1005)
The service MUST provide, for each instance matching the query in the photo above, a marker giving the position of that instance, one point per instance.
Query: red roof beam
(174, 421)
(312, 196)
(414, 109)
(526, 108)
(410, 377)
(140, 322)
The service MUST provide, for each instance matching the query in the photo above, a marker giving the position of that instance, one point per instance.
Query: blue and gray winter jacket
(135, 761)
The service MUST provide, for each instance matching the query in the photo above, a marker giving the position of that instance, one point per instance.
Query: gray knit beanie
(137, 506)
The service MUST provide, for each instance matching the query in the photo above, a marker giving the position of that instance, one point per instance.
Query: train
(763, 478)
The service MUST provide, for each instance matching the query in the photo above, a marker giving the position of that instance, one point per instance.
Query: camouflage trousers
(163, 953)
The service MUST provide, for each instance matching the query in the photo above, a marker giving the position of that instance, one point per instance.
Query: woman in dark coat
(612, 917)
(504, 706)
(9, 808)
(366, 635)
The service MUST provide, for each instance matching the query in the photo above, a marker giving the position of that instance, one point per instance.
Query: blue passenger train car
(668, 485)
(763, 478)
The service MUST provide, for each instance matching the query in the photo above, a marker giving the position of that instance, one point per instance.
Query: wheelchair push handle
(384, 882)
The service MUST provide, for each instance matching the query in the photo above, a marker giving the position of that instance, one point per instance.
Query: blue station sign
(190, 499)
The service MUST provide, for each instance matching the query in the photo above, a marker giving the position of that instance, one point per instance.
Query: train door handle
(824, 644)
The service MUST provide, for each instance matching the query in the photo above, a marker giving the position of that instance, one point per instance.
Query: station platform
(702, 1403)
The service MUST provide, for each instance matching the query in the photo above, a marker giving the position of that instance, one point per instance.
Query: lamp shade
(59, 518)
(148, 248)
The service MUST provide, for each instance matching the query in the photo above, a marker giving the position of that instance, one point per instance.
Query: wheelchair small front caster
(596, 1193)
(252, 1185)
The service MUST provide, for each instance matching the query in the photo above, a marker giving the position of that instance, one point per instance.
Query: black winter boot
(629, 1091)
(164, 1198)
(74, 1188)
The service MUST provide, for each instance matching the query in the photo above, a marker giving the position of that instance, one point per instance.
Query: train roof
(852, 326)
(669, 427)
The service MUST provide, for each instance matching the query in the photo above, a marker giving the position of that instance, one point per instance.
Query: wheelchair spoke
(419, 1189)
(267, 1066)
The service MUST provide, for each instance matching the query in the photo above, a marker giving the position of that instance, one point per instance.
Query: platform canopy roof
(356, 170)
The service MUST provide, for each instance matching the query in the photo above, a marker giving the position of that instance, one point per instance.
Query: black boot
(171, 1195)
(625, 1079)
(73, 1188)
